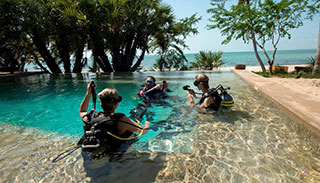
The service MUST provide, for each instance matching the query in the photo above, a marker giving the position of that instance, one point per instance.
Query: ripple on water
(254, 142)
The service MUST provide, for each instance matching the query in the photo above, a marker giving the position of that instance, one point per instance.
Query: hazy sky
(305, 37)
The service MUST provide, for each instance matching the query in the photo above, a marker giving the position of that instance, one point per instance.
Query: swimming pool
(254, 142)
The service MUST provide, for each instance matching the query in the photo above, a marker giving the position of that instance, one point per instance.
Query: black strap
(94, 95)
(66, 153)
(116, 115)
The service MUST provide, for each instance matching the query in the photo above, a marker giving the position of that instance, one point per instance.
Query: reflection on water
(253, 142)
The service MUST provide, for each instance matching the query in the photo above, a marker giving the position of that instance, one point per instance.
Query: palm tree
(38, 25)
(208, 60)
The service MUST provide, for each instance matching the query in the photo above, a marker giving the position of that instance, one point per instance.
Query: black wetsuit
(151, 93)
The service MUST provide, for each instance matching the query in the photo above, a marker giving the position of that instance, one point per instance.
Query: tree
(313, 9)
(38, 26)
(169, 43)
(261, 22)
(208, 60)
(13, 43)
(58, 32)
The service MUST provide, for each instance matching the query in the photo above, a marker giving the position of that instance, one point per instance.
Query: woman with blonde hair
(211, 101)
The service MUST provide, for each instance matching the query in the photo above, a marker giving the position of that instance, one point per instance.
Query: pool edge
(307, 111)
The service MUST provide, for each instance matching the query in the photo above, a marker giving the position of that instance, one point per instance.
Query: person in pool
(109, 100)
(153, 90)
(209, 102)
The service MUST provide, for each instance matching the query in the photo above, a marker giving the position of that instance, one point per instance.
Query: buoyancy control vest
(151, 93)
(216, 97)
(101, 133)
(222, 99)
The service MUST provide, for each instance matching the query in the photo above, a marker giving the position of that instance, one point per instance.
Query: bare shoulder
(126, 119)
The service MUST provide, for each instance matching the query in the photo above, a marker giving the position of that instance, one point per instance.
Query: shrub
(208, 60)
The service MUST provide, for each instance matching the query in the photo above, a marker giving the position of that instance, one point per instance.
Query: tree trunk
(268, 58)
(13, 64)
(105, 60)
(64, 51)
(256, 52)
(254, 39)
(316, 69)
(137, 64)
(78, 65)
(39, 64)
(99, 55)
(41, 46)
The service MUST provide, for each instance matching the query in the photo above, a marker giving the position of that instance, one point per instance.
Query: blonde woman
(211, 101)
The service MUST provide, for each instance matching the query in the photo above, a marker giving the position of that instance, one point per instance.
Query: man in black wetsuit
(121, 128)
(211, 101)
(153, 90)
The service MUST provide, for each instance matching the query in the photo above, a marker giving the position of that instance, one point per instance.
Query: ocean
(283, 57)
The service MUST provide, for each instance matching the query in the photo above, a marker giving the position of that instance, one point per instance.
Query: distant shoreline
(226, 68)
(314, 49)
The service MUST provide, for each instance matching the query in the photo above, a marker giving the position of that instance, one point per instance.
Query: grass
(282, 74)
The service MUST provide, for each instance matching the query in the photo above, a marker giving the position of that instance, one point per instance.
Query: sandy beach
(310, 87)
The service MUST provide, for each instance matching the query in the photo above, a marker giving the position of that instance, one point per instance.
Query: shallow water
(256, 141)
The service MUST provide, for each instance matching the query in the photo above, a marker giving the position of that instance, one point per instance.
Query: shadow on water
(230, 116)
(131, 167)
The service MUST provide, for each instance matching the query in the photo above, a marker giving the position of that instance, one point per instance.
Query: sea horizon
(283, 57)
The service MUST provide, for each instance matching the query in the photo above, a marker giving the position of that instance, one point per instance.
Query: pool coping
(303, 107)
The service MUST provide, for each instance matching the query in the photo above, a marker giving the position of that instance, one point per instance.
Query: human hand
(147, 125)
(190, 99)
(191, 92)
(89, 87)
(158, 86)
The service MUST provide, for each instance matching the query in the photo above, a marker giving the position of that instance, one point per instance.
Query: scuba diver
(151, 93)
(210, 98)
(151, 90)
(106, 131)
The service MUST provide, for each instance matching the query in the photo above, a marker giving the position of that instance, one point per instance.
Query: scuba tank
(226, 100)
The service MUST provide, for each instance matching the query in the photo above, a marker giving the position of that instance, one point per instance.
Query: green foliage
(171, 60)
(170, 43)
(259, 21)
(208, 60)
(267, 19)
(58, 30)
(14, 45)
(281, 74)
(312, 62)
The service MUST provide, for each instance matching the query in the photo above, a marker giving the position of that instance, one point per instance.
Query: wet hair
(154, 79)
(108, 98)
(203, 79)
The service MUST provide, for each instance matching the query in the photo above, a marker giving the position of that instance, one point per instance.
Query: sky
(305, 37)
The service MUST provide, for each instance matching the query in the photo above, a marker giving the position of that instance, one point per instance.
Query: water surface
(256, 141)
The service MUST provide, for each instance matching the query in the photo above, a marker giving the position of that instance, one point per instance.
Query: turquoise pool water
(51, 103)
(256, 141)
